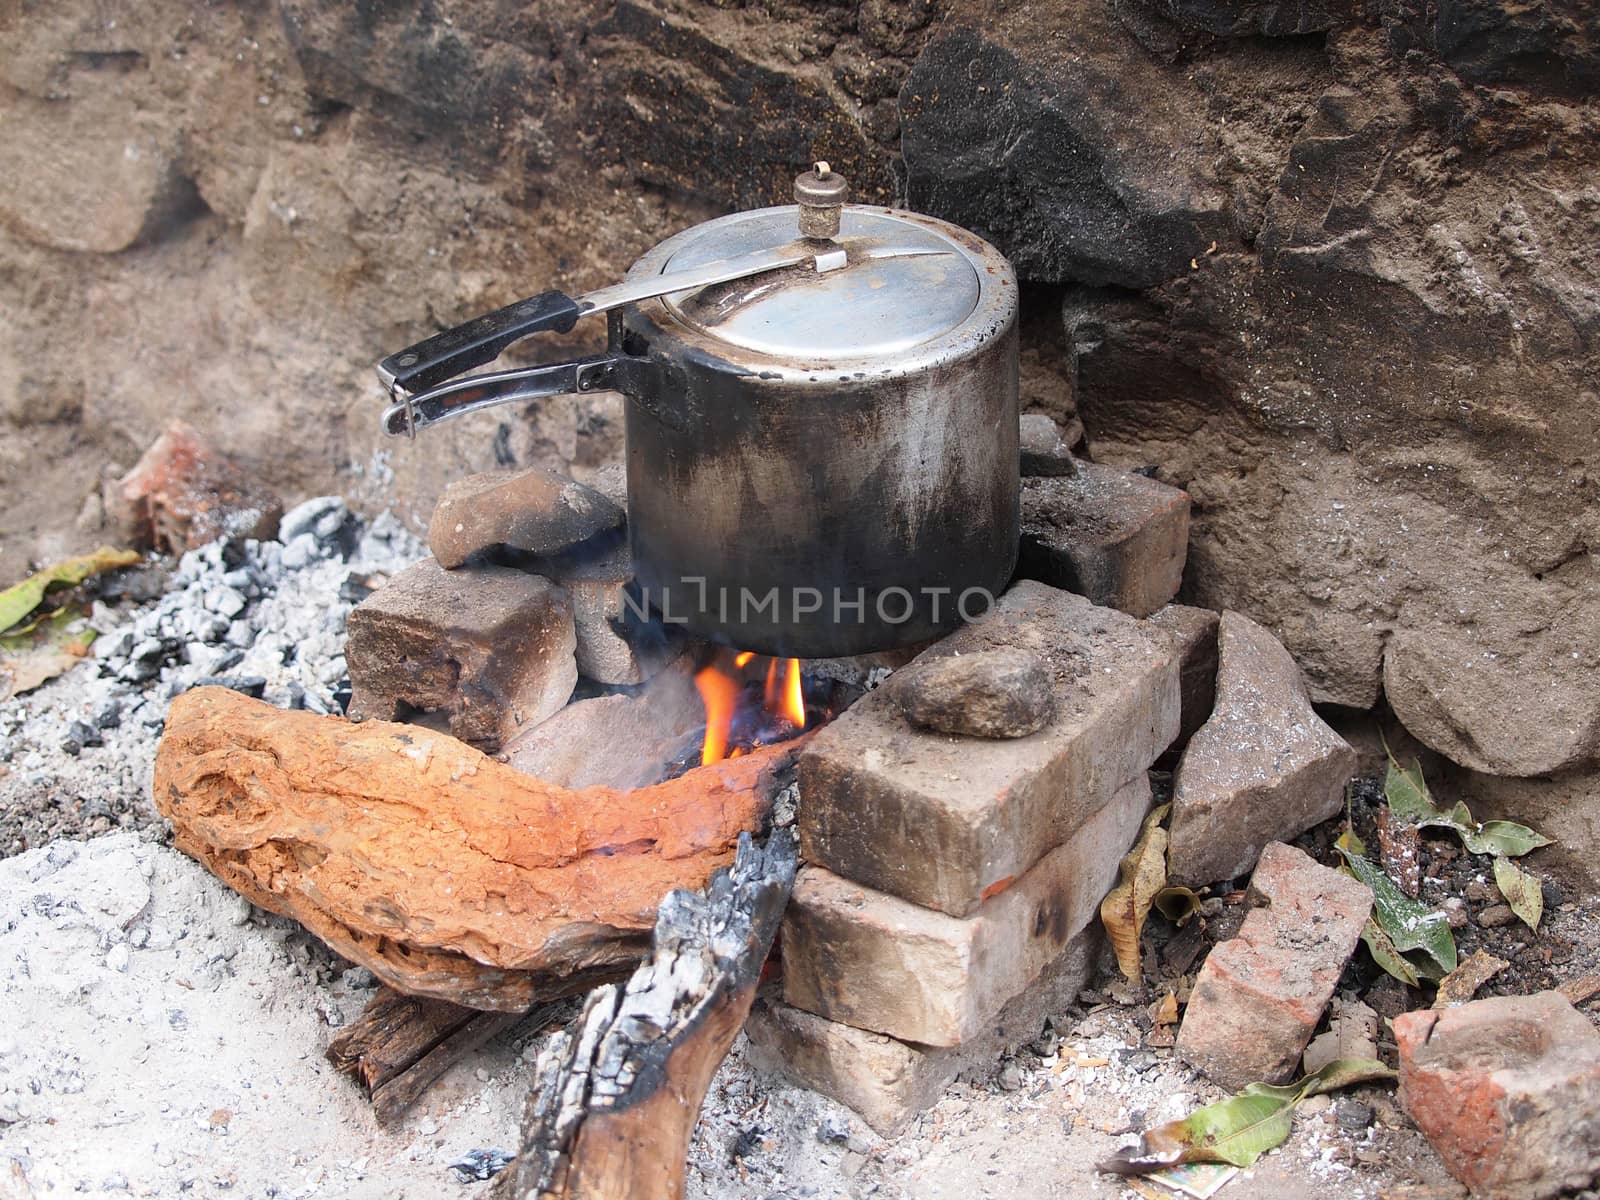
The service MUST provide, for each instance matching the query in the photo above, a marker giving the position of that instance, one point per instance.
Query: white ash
(266, 617)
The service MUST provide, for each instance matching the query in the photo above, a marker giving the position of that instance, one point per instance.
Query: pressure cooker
(820, 419)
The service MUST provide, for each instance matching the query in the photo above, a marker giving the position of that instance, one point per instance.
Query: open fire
(735, 720)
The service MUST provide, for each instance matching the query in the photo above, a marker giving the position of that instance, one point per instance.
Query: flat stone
(1507, 1090)
(940, 821)
(1264, 766)
(888, 1081)
(1111, 535)
(1260, 994)
(867, 959)
(1045, 451)
(616, 644)
(621, 741)
(1195, 631)
(990, 694)
(533, 511)
(489, 648)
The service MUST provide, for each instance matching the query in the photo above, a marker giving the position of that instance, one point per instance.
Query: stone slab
(1264, 766)
(868, 959)
(941, 820)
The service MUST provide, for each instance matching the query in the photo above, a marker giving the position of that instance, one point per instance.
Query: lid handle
(820, 193)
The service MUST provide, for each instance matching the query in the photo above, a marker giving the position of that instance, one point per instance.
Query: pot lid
(903, 284)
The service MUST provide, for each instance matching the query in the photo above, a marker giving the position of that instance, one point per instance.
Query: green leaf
(1349, 841)
(1504, 839)
(1386, 956)
(1407, 793)
(1521, 890)
(1242, 1128)
(17, 601)
(1409, 925)
(54, 643)
(1409, 799)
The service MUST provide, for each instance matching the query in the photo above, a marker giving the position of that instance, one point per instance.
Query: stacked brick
(953, 882)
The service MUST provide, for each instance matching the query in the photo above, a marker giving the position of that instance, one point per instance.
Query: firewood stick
(443, 872)
(615, 1099)
(400, 1044)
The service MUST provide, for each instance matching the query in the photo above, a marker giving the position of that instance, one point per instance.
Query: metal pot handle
(409, 413)
(482, 339)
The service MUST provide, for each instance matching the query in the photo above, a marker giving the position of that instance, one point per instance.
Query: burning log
(443, 872)
(616, 1098)
(401, 1044)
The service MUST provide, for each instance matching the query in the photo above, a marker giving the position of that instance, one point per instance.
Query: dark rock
(832, 1131)
(734, 128)
(80, 736)
(1044, 450)
(1552, 45)
(228, 661)
(1353, 1116)
(1166, 25)
(989, 694)
(1084, 166)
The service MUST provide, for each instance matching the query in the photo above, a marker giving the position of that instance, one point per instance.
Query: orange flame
(793, 708)
(783, 696)
(719, 692)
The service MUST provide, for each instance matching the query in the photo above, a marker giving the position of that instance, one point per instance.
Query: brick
(871, 960)
(889, 1081)
(1260, 994)
(1195, 632)
(489, 648)
(184, 492)
(1507, 1090)
(939, 820)
(1114, 536)
(1265, 766)
(532, 511)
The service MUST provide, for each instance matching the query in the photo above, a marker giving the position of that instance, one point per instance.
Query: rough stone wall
(1329, 264)
(1339, 282)
(228, 212)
